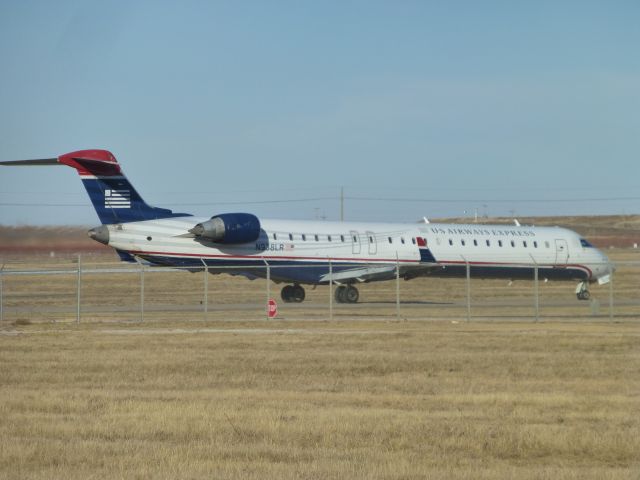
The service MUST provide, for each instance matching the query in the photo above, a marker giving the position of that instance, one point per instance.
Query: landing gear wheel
(351, 294)
(339, 294)
(584, 295)
(287, 294)
(582, 291)
(347, 294)
(293, 294)
(298, 294)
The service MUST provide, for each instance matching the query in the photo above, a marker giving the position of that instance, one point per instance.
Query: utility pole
(342, 204)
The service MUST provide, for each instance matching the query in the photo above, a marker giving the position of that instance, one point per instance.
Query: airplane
(322, 252)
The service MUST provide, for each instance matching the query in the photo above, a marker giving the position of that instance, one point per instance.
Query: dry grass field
(226, 394)
(313, 399)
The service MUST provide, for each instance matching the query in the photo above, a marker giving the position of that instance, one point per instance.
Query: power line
(485, 200)
(352, 188)
(365, 199)
(190, 204)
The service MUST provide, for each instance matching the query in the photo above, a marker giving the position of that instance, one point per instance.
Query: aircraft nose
(100, 234)
(604, 265)
(606, 261)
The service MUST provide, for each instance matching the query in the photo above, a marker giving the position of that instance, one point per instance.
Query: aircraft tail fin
(114, 198)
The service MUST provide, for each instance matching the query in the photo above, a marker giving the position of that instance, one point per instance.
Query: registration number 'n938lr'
(270, 247)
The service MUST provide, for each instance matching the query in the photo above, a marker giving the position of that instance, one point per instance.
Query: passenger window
(290, 236)
(370, 239)
(304, 237)
(450, 242)
(475, 242)
(355, 239)
(275, 236)
(535, 244)
(390, 240)
(513, 244)
(329, 237)
(342, 238)
(488, 243)
(462, 242)
(499, 243)
(524, 244)
(402, 240)
(316, 237)
(413, 240)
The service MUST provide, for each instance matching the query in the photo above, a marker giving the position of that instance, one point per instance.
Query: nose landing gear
(582, 291)
(293, 294)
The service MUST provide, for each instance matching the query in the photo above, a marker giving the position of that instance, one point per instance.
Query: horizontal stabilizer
(125, 256)
(40, 161)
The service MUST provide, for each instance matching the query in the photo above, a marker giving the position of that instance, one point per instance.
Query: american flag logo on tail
(117, 199)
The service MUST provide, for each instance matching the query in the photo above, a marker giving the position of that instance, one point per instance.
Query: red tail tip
(92, 162)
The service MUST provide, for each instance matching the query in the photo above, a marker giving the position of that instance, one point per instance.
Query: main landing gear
(343, 294)
(347, 294)
(582, 291)
(293, 294)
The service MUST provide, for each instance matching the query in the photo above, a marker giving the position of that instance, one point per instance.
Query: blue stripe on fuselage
(427, 256)
(295, 271)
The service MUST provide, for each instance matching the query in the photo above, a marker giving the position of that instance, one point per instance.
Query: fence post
(266, 305)
(330, 290)
(206, 289)
(78, 289)
(468, 288)
(397, 287)
(1, 294)
(141, 289)
(610, 292)
(536, 288)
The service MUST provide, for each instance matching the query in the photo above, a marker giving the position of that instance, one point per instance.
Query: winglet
(92, 163)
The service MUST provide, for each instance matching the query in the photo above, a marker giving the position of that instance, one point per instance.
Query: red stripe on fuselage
(260, 257)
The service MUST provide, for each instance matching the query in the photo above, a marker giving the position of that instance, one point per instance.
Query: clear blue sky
(524, 107)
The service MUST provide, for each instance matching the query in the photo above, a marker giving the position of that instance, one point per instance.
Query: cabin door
(371, 240)
(355, 242)
(562, 252)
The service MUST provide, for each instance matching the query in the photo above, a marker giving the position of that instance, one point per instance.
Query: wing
(364, 273)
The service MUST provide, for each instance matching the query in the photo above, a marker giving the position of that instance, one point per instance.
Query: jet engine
(229, 228)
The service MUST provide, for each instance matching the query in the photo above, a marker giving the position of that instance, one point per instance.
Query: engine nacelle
(229, 228)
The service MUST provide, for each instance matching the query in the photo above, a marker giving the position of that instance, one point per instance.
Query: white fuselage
(493, 250)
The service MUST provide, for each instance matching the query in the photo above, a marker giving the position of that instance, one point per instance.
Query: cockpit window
(585, 244)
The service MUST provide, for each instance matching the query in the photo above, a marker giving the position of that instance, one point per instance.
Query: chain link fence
(92, 289)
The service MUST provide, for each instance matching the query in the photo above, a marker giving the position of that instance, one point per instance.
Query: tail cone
(100, 234)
